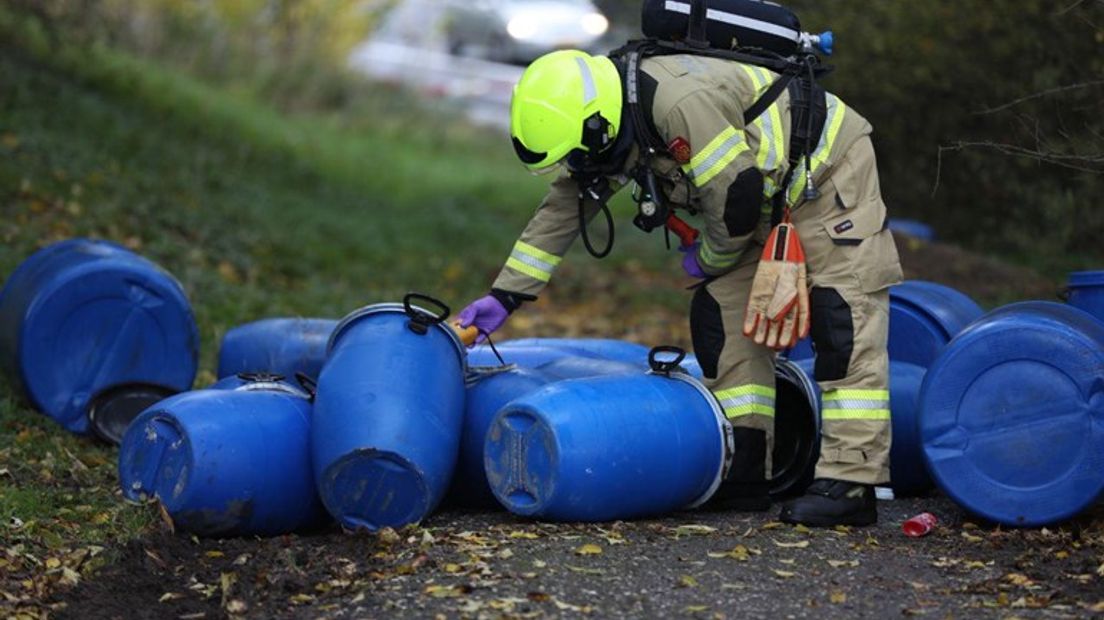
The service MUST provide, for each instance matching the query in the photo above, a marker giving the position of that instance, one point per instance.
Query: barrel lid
(436, 321)
(112, 411)
(1013, 414)
(1086, 278)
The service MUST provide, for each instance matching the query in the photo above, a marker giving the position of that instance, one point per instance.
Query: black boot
(745, 488)
(830, 502)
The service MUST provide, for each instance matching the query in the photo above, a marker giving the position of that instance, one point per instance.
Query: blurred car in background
(519, 31)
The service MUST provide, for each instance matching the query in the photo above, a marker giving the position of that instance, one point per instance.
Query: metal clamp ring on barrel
(420, 319)
(268, 382)
(723, 426)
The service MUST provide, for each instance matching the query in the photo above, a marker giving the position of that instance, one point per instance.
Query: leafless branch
(1092, 162)
(1041, 94)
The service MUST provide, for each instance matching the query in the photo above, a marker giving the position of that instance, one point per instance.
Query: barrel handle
(659, 365)
(260, 377)
(420, 319)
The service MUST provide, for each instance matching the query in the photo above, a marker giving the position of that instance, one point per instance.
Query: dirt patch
(703, 564)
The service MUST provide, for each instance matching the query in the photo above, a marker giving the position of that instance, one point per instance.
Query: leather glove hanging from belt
(778, 308)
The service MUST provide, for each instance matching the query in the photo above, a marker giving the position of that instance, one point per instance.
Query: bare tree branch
(1092, 163)
(1041, 94)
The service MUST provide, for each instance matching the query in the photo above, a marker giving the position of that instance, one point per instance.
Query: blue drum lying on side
(231, 460)
(1085, 291)
(94, 333)
(1013, 414)
(609, 447)
(388, 415)
(282, 346)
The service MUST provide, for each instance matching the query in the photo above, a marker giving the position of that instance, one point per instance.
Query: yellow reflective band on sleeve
(747, 400)
(715, 259)
(532, 261)
(852, 404)
(712, 159)
(823, 151)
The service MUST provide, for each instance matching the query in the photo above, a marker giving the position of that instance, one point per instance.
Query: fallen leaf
(584, 571)
(686, 581)
(441, 591)
(453, 568)
(539, 597)
(837, 597)
(505, 554)
(169, 596)
(693, 530)
(739, 552)
(1097, 608)
(236, 606)
(694, 609)
(214, 554)
(972, 538)
(770, 525)
(975, 564)
(801, 544)
(802, 529)
(539, 564)
(1019, 579)
(784, 574)
(300, 599)
(525, 535)
(842, 563)
(588, 549)
(1100, 570)
(564, 606)
(1061, 555)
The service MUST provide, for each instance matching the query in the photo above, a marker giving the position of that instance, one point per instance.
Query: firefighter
(570, 113)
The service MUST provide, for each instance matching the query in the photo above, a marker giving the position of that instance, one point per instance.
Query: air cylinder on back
(1013, 414)
(609, 447)
(94, 334)
(388, 415)
(232, 460)
(284, 346)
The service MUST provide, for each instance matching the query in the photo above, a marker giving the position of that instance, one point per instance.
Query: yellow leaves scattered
(1061, 555)
(443, 591)
(693, 529)
(843, 563)
(739, 553)
(687, 581)
(783, 574)
(169, 596)
(524, 535)
(1019, 579)
(971, 538)
(214, 554)
(301, 599)
(837, 597)
(588, 549)
(801, 544)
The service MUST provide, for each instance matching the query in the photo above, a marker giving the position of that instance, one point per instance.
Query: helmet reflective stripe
(552, 102)
(590, 93)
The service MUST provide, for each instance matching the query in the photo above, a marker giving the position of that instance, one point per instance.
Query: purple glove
(486, 313)
(690, 262)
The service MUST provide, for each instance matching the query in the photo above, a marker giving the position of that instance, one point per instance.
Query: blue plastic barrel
(796, 429)
(912, 228)
(488, 390)
(88, 325)
(609, 447)
(1013, 414)
(1085, 290)
(232, 460)
(388, 415)
(522, 355)
(924, 317)
(603, 348)
(283, 346)
(578, 367)
(907, 469)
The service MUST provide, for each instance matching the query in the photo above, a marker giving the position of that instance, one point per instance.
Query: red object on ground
(920, 525)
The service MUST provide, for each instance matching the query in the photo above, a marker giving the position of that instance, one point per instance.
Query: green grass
(257, 213)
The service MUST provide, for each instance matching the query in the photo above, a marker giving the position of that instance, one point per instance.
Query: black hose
(586, 236)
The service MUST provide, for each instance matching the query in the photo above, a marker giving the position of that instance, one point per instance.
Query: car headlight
(595, 24)
(522, 27)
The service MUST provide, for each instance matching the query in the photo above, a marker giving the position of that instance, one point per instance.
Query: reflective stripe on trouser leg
(743, 372)
(856, 429)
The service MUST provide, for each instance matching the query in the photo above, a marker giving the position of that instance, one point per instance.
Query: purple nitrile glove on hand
(486, 313)
(690, 262)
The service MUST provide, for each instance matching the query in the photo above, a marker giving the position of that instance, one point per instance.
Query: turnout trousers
(852, 261)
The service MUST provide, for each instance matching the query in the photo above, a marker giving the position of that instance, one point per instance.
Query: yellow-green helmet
(564, 101)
